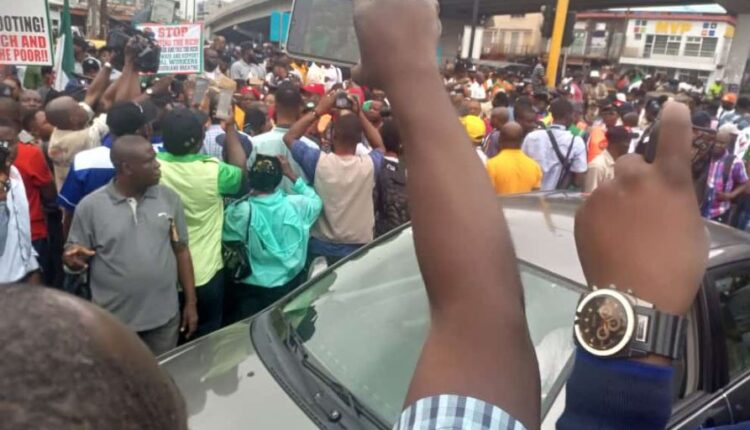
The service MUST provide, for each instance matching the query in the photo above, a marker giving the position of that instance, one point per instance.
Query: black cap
(90, 64)
(288, 95)
(702, 120)
(127, 117)
(182, 131)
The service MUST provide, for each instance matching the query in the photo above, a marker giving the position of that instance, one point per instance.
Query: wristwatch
(615, 324)
(150, 91)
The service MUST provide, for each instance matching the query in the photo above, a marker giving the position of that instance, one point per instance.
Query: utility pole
(92, 21)
(555, 46)
(103, 19)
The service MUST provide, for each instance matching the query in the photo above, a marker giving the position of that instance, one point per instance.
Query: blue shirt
(90, 170)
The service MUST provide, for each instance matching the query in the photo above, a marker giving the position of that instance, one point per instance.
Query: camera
(343, 101)
(147, 50)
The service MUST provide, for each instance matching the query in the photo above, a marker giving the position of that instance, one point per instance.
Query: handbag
(234, 253)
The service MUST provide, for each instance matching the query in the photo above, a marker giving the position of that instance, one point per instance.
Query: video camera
(148, 51)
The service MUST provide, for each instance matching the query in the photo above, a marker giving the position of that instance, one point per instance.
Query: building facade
(510, 37)
(680, 46)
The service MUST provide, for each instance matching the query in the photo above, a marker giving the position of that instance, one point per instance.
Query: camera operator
(344, 180)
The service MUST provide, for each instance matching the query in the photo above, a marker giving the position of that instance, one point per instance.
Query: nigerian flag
(64, 56)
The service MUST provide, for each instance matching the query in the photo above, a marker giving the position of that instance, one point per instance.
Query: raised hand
(643, 230)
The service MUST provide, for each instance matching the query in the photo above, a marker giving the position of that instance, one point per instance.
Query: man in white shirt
(602, 168)
(570, 150)
(18, 261)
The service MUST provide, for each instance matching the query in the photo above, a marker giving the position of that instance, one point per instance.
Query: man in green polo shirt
(202, 182)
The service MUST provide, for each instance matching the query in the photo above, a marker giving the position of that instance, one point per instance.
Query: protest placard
(181, 47)
(25, 34)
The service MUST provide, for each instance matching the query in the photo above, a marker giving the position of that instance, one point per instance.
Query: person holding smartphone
(343, 179)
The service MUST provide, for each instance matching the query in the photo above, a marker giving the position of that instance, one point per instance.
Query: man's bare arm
(478, 344)
(98, 86)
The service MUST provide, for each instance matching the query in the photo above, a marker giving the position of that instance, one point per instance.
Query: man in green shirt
(202, 182)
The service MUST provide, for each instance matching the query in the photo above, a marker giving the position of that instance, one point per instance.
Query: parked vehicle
(340, 351)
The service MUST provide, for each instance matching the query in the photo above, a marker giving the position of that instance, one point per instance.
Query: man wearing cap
(727, 111)
(246, 67)
(92, 169)
(602, 168)
(202, 182)
(288, 111)
(598, 136)
(476, 130)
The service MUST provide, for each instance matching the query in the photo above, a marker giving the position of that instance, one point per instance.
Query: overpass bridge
(243, 19)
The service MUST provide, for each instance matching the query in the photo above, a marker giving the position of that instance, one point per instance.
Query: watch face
(604, 325)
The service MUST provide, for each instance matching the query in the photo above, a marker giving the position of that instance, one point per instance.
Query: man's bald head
(65, 113)
(630, 119)
(499, 117)
(67, 364)
(511, 135)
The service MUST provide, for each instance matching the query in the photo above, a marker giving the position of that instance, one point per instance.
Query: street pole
(474, 17)
(555, 46)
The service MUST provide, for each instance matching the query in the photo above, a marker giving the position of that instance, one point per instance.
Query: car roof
(542, 227)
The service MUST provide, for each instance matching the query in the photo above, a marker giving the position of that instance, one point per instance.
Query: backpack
(391, 201)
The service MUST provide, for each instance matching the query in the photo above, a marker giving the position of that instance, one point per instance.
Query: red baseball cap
(319, 89)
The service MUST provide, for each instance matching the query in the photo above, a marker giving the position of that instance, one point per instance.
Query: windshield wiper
(294, 342)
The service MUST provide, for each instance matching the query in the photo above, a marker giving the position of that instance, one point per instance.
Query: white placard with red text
(25, 35)
(181, 47)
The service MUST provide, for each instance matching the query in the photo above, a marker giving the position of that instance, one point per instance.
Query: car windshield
(365, 323)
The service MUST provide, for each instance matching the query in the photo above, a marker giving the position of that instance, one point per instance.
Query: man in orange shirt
(598, 138)
(512, 171)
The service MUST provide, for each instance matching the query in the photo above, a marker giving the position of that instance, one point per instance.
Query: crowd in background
(149, 198)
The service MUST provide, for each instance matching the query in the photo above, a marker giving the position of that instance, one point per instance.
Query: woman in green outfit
(275, 228)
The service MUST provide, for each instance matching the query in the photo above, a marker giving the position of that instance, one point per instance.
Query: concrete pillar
(734, 70)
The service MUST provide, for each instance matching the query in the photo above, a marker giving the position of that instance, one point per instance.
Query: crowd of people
(226, 210)
(177, 216)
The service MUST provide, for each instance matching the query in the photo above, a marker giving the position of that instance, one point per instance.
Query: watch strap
(658, 333)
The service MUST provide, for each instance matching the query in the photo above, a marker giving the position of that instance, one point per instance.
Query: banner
(181, 47)
(25, 34)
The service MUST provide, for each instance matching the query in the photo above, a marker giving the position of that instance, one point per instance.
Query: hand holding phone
(224, 108)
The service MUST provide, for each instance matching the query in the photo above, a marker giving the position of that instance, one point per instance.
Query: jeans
(162, 339)
(210, 305)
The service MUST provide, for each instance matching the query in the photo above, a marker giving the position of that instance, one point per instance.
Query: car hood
(226, 386)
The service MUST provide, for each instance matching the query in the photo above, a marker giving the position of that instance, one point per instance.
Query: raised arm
(130, 88)
(298, 129)
(371, 132)
(233, 152)
(478, 344)
(98, 86)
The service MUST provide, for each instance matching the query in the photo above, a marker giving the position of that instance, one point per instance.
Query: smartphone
(201, 86)
(224, 106)
(323, 31)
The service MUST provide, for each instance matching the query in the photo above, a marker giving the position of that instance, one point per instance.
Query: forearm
(371, 133)
(489, 293)
(185, 272)
(437, 154)
(738, 191)
(233, 152)
(130, 88)
(100, 83)
(298, 129)
(67, 220)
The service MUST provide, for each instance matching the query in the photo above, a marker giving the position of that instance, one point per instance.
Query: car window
(734, 299)
(366, 321)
